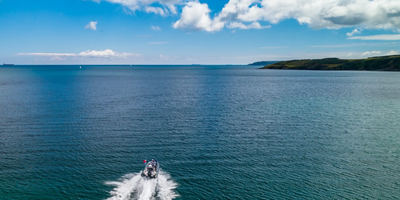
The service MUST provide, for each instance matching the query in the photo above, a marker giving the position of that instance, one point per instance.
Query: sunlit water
(218, 132)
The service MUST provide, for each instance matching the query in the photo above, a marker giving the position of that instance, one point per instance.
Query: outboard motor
(149, 172)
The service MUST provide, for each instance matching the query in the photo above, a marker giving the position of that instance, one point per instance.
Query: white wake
(133, 186)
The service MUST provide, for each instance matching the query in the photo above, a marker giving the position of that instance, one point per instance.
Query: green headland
(384, 63)
(264, 63)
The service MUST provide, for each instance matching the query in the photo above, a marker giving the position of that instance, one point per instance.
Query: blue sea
(218, 132)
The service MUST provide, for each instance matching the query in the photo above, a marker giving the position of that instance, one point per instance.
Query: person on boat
(153, 162)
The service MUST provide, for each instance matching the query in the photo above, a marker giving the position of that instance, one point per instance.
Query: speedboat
(151, 169)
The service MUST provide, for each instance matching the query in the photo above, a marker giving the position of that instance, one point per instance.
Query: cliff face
(385, 63)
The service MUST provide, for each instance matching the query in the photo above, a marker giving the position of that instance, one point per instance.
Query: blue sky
(194, 31)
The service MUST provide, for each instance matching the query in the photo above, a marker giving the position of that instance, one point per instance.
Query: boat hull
(151, 172)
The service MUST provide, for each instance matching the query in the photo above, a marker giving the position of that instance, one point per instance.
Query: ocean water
(219, 132)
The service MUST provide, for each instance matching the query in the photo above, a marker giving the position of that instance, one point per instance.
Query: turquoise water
(218, 132)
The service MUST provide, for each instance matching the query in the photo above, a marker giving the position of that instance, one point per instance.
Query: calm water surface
(218, 132)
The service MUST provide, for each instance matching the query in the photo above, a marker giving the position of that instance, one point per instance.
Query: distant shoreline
(384, 63)
(264, 63)
(128, 65)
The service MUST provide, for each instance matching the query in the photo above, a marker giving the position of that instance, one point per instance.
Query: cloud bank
(247, 14)
(367, 54)
(371, 53)
(377, 37)
(108, 53)
(329, 14)
(392, 52)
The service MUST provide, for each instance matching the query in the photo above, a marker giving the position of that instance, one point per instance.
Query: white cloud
(371, 53)
(156, 10)
(163, 7)
(377, 37)
(240, 25)
(391, 53)
(348, 54)
(196, 16)
(355, 31)
(360, 55)
(108, 53)
(156, 28)
(318, 14)
(92, 25)
(330, 14)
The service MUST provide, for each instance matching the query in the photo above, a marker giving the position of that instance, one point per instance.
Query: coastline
(384, 63)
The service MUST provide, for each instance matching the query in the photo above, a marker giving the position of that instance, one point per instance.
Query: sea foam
(133, 186)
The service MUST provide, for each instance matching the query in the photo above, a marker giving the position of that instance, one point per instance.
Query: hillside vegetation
(264, 63)
(384, 63)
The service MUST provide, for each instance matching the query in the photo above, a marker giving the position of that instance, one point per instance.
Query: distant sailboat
(80, 67)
